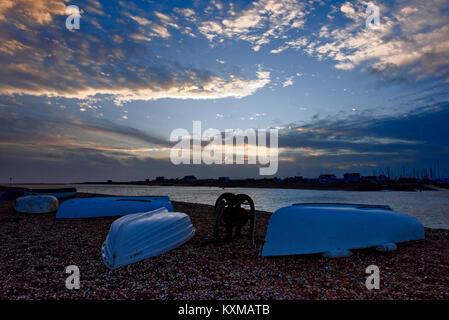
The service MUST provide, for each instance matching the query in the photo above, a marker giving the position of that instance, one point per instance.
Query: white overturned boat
(334, 229)
(36, 204)
(83, 208)
(138, 236)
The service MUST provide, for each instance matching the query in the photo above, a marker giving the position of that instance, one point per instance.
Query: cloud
(140, 37)
(34, 129)
(415, 137)
(279, 50)
(258, 24)
(359, 142)
(10, 47)
(48, 60)
(195, 85)
(412, 41)
(348, 10)
(150, 83)
(288, 82)
(154, 30)
(413, 36)
(186, 12)
(40, 12)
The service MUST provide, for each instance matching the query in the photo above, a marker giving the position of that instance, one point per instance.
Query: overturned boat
(135, 237)
(334, 228)
(12, 194)
(59, 193)
(36, 204)
(83, 208)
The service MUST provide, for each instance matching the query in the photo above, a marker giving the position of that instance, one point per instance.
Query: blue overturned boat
(12, 194)
(333, 229)
(59, 193)
(84, 208)
(139, 236)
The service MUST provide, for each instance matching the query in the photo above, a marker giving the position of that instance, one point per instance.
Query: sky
(100, 102)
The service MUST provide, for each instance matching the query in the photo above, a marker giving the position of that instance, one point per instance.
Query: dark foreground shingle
(35, 249)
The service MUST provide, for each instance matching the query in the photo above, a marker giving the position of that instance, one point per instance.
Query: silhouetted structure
(352, 177)
(369, 179)
(296, 179)
(189, 179)
(327, 178)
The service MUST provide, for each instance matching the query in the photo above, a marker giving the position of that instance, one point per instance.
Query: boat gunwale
(356, 205)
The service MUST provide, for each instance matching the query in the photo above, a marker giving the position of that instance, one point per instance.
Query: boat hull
(36, 204)
(60, 193)
(139, 236)
(96, 207)
(336, 228)
(11, 194)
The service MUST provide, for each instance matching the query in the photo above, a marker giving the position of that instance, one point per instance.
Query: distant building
(224, 179)
(352, 177)
(327, 178)
(369, 179)
(408, 180)
(295, 179)
(382, 178)
(189, 179)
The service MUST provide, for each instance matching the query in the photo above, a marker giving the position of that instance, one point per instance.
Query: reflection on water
(429, 207)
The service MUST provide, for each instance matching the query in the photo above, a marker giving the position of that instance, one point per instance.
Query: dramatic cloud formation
(31, 11)
(39, 56)
(262, 21)
(362, 141)
(103, 100)
(413, 35)
(359, 143)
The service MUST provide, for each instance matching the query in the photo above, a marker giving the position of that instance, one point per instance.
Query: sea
(429, 207)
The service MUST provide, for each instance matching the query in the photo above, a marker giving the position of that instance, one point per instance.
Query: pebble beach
(36, 249)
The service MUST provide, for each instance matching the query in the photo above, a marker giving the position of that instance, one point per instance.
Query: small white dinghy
(138, 236)
(334, 229)
(36, 204)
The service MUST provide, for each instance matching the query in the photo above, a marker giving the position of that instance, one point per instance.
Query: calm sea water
(429, 207)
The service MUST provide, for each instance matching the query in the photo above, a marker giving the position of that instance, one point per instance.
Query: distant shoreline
(266, 185)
